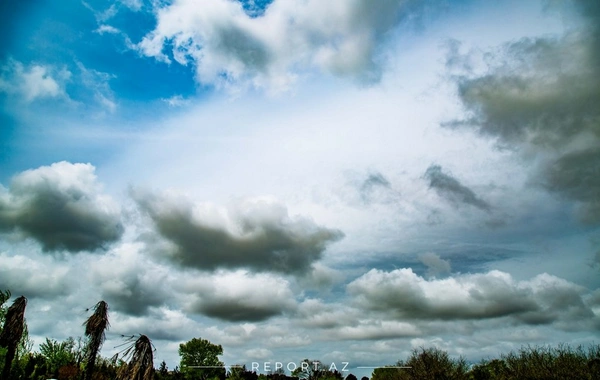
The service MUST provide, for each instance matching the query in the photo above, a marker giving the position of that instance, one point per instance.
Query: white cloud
(134, 5)
(34, 81)
(177, 101)
(31, 277)
(227, 46)
(104, 28)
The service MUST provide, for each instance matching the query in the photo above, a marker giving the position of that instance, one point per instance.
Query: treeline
(530, 363)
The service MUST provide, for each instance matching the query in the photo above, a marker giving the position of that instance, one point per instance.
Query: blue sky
(342, 180)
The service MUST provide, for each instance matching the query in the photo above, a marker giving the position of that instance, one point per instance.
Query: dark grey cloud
(257, 235)
(576, 175)
(452, 190)
(401, 293)
(61, 207)
(540, 96)
(237, 311)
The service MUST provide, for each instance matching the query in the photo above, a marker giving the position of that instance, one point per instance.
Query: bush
(540, 363)
(425, 364)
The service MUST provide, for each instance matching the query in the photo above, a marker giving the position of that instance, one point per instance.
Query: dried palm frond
(12, 332)
(95, 328)
(141, 360)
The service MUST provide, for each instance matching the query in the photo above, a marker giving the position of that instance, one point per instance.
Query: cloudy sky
(340, 180)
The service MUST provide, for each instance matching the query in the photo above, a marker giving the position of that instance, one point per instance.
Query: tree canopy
(200, 359)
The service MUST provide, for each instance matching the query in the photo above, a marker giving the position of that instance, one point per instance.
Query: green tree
(58, 354)
(200, 360)
(163, 370)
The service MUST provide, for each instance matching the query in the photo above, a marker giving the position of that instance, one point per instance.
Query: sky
(341, 180)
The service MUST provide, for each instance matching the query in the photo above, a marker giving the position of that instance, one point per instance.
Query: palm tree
(95, 327)
(141, 364)
(12, 332)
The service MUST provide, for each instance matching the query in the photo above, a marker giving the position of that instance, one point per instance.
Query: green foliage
(240, 372)
(200, 352)
(58, 354)
(425, 364)
(562, 362)
(531, 363)
(163, 371)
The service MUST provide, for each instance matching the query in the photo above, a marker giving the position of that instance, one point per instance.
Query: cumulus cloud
(541, 300)
(129, 283)
(452, 190)
(239, 296)
(540, 96)
(253, 234)
(62, 207)
(229, 44)
(34, 81)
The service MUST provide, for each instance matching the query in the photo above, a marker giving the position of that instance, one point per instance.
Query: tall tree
(141, 363)
(95, 328)
(12, 332)
(200, 359)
